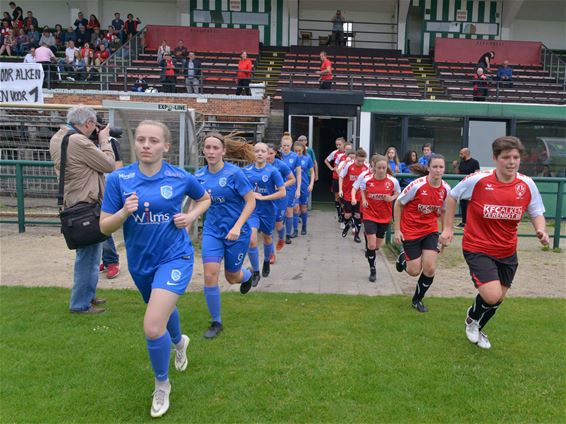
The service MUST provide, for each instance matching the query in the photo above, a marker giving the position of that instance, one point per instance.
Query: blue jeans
(85, 277)
(109, 253)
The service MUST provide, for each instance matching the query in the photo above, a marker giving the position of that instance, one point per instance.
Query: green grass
(284, 358)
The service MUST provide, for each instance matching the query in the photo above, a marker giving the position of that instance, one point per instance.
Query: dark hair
(429, 145)
(361, 153)
(216, 135)
(11, 3)
(435, 156)
(422, 170)
(407, 159)
(274, 147)
(507, 143)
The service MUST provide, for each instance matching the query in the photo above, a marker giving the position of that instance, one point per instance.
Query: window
(445, 135)
(545, 148)
(387, 132)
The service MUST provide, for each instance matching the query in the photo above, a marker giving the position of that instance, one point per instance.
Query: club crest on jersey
(387, 185)
(175, 275)
(264, 178)
(441, 195)
(222, 182)
(520, 189)
(166, 191)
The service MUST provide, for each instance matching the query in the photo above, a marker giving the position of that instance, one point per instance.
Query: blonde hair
(164, 128)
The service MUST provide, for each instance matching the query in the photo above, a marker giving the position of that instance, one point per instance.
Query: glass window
(387, 132)
(445, 135)
(545, 148)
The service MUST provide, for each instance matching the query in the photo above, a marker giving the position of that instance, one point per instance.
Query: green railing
(551, 189)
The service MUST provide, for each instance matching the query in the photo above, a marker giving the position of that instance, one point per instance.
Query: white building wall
(551, 33)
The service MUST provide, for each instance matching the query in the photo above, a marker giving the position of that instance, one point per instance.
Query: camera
(115, 132)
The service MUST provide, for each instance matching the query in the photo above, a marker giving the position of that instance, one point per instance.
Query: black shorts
(485, 268)
(372, 227)
(335, 188)
(414, 248)
(349, 208)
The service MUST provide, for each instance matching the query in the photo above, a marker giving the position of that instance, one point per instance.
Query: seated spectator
(9, 44)
(505, 75)
(485, 60)
(409, 160)
(30, 20)
(163, 50)
(30, 57)
(48, 39)
(69, 35)
(88, 55)
(140, 85)
(82, 36)
(7, 17)
(118, 25)
(34, 36)
(427, 152)
(131, 25)
(59, 36)
(101, 55)
(93, 23)
(81, 20)
(97, 38)
(6, 28)
(168, 77)
(66, 63)
(22, 43)
(480, 87)
(180, 53)
(79, 67)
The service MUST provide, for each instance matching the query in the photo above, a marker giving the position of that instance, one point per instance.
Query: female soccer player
(226, 233)
(333, 157)
(416, 213)
(348, 175)
(307, 183)
(393, 159)
(378, 189)
(289, 179)
(498, 200)
(293, 191)
(146, 198)
(268, 187)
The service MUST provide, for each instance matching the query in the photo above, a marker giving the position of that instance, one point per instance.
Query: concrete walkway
(324, 262)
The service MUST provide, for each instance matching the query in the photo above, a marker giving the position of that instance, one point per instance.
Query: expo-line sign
(21, 82)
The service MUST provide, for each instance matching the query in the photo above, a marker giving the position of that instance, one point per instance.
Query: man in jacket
(193, 74)
(86, 163)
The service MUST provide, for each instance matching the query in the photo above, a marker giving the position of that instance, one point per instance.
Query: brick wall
(217, 105)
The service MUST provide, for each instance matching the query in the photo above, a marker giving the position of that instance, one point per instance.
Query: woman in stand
(146, 199)
(416, 213)
(268, 188)
(226, 233)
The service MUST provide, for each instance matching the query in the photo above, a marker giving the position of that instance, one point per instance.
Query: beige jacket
(84, 169)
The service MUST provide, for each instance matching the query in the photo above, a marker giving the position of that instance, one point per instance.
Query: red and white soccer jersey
(423, 205)
(335, 157)
(350, 173)
(378, 210)
(495, 210)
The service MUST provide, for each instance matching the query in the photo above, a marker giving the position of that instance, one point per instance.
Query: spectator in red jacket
(480, 88)
(244, 75)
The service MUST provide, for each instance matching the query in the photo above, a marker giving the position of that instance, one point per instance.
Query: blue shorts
(265, 224)
(280, 213)
(233, 251)
(291, 200)
(173, 276)
(304, 198)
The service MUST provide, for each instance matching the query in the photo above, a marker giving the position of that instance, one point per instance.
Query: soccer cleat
(288, 240)
(272, 259)
(160, 403)
(401, 262)
(113, 271)
(214, 329)
(304, 232)
(345, 231)
(472, 329)
(280, 244)
(247, 285)
(372, 275)
(295, 234)
(255, 278)
(419, 306)
(460, 225)
(102, 268)
(483, 341)
(265, 270)
(181, 359)
(357, 239)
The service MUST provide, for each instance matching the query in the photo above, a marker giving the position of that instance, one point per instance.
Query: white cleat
(483, 341)
(472, 329)
(181, 360)
(160, 403)
(342, 225)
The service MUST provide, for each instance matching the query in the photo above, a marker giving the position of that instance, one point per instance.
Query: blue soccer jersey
(150, 234)
(284, 170)
(265, 181)
(292, 161)
(227, 189)
(306, 166)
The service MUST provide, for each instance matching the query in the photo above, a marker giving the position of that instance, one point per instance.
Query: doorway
(415, 22)
(481, 136)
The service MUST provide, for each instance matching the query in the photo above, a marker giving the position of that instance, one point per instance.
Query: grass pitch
(284, 358)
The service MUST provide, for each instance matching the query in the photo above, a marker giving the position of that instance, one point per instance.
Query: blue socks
(296, 222)
(304, 217)
(281, 233)
(247, 274)
(289, 225)
(253, 254)
(174, 326)
(212, 296)
(159, 351)
(267, 251)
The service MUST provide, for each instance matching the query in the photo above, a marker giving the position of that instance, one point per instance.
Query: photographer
(86, 163)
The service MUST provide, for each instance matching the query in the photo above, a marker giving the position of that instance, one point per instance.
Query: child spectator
(140, 85)
(505, 75)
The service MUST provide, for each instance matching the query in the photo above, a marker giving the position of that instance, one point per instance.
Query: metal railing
(554, 64)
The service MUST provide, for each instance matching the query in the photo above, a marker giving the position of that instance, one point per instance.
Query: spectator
(338, 21)
(22, 43)
(81, 20)
(6, 28)
(92, 23)
(82, 36)
(131, 25)
(59, 36)
(101, 55)
(480, 88)
(393, 159)
(118, 25)
(34, 36)
(427, 151)
(467, 166)
(30, 20)
(409, 160)
(88, 55)
(79, 67)
(97, 38)
(17, 13)
(180, 53)
(86, 163)
(325, 72)
(485, 60)
(45, 56)
(69, 35)
(127, 49)
(48, 39)
(30, 57)
(7, 17)
(140, 85)
(9, 45)
(505, 75)
(168, 78)
(66, 63)
(162, 50)
(193, 74)
(244, 75)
